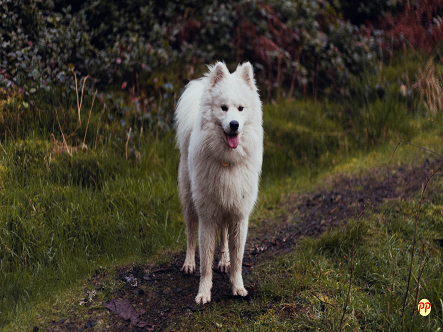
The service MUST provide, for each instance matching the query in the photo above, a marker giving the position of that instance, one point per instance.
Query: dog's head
(234, 101)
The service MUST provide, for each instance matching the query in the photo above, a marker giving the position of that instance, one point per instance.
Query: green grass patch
(64, 214)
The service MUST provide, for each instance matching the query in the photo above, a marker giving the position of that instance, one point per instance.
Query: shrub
(298, 48)
(296, 44)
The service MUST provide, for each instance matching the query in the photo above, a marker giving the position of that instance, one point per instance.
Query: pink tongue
(232, 141)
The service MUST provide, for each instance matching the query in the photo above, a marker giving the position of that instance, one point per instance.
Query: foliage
(298, 48)
(417, 23)
(38, 45)
(303, 45)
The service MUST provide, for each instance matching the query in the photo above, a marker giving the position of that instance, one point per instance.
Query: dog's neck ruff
(225, 164)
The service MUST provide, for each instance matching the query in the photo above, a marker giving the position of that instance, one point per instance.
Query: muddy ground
(151, 298)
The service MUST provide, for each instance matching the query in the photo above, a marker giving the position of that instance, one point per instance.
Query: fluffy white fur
(219, 184)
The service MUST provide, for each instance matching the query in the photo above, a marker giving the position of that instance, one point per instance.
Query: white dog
(220, 135)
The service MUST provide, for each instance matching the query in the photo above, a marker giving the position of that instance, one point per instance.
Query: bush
(298, 48)
(303, 45)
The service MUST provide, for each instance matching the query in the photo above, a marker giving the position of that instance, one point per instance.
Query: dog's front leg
(224, 264)
(189, 214)
(207, 238)
(237, 240)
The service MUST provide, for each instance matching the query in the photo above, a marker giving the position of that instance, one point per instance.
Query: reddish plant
(420, 24)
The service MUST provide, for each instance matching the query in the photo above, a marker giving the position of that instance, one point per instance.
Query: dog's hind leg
(224, 264)
(190, 216)
(237, 240)
(207, 237)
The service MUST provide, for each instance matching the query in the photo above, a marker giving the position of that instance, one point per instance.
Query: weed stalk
(98, 126)
(127, 141)
(417, 216)
(352, 268)
(420, 273)
(89, 117)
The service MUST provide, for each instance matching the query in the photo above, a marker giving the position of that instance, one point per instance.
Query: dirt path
(152, 297)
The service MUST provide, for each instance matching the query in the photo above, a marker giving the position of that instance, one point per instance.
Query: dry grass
(430, 85)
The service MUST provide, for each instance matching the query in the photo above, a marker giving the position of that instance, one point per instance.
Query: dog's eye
(224, 108)
(240, 108)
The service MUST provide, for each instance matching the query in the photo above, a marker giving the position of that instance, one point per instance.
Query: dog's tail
(187, 111)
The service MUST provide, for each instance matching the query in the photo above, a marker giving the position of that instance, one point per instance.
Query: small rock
(192, 308)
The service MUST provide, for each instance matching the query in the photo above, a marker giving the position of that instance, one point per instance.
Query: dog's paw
(203, 298)
(188, 268)
(239, 291)
(224, 266)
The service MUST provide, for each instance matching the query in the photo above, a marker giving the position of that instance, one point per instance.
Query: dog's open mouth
(232, 140)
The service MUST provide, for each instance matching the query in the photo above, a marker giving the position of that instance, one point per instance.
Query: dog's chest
(226, 188)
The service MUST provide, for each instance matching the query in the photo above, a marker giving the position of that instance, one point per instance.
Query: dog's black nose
(234, 125)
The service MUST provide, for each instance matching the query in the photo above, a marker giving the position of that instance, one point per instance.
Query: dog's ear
(218, 73)
(247, 74)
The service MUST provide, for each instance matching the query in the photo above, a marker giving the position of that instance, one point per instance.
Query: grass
(66, 212)
(59, 221)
